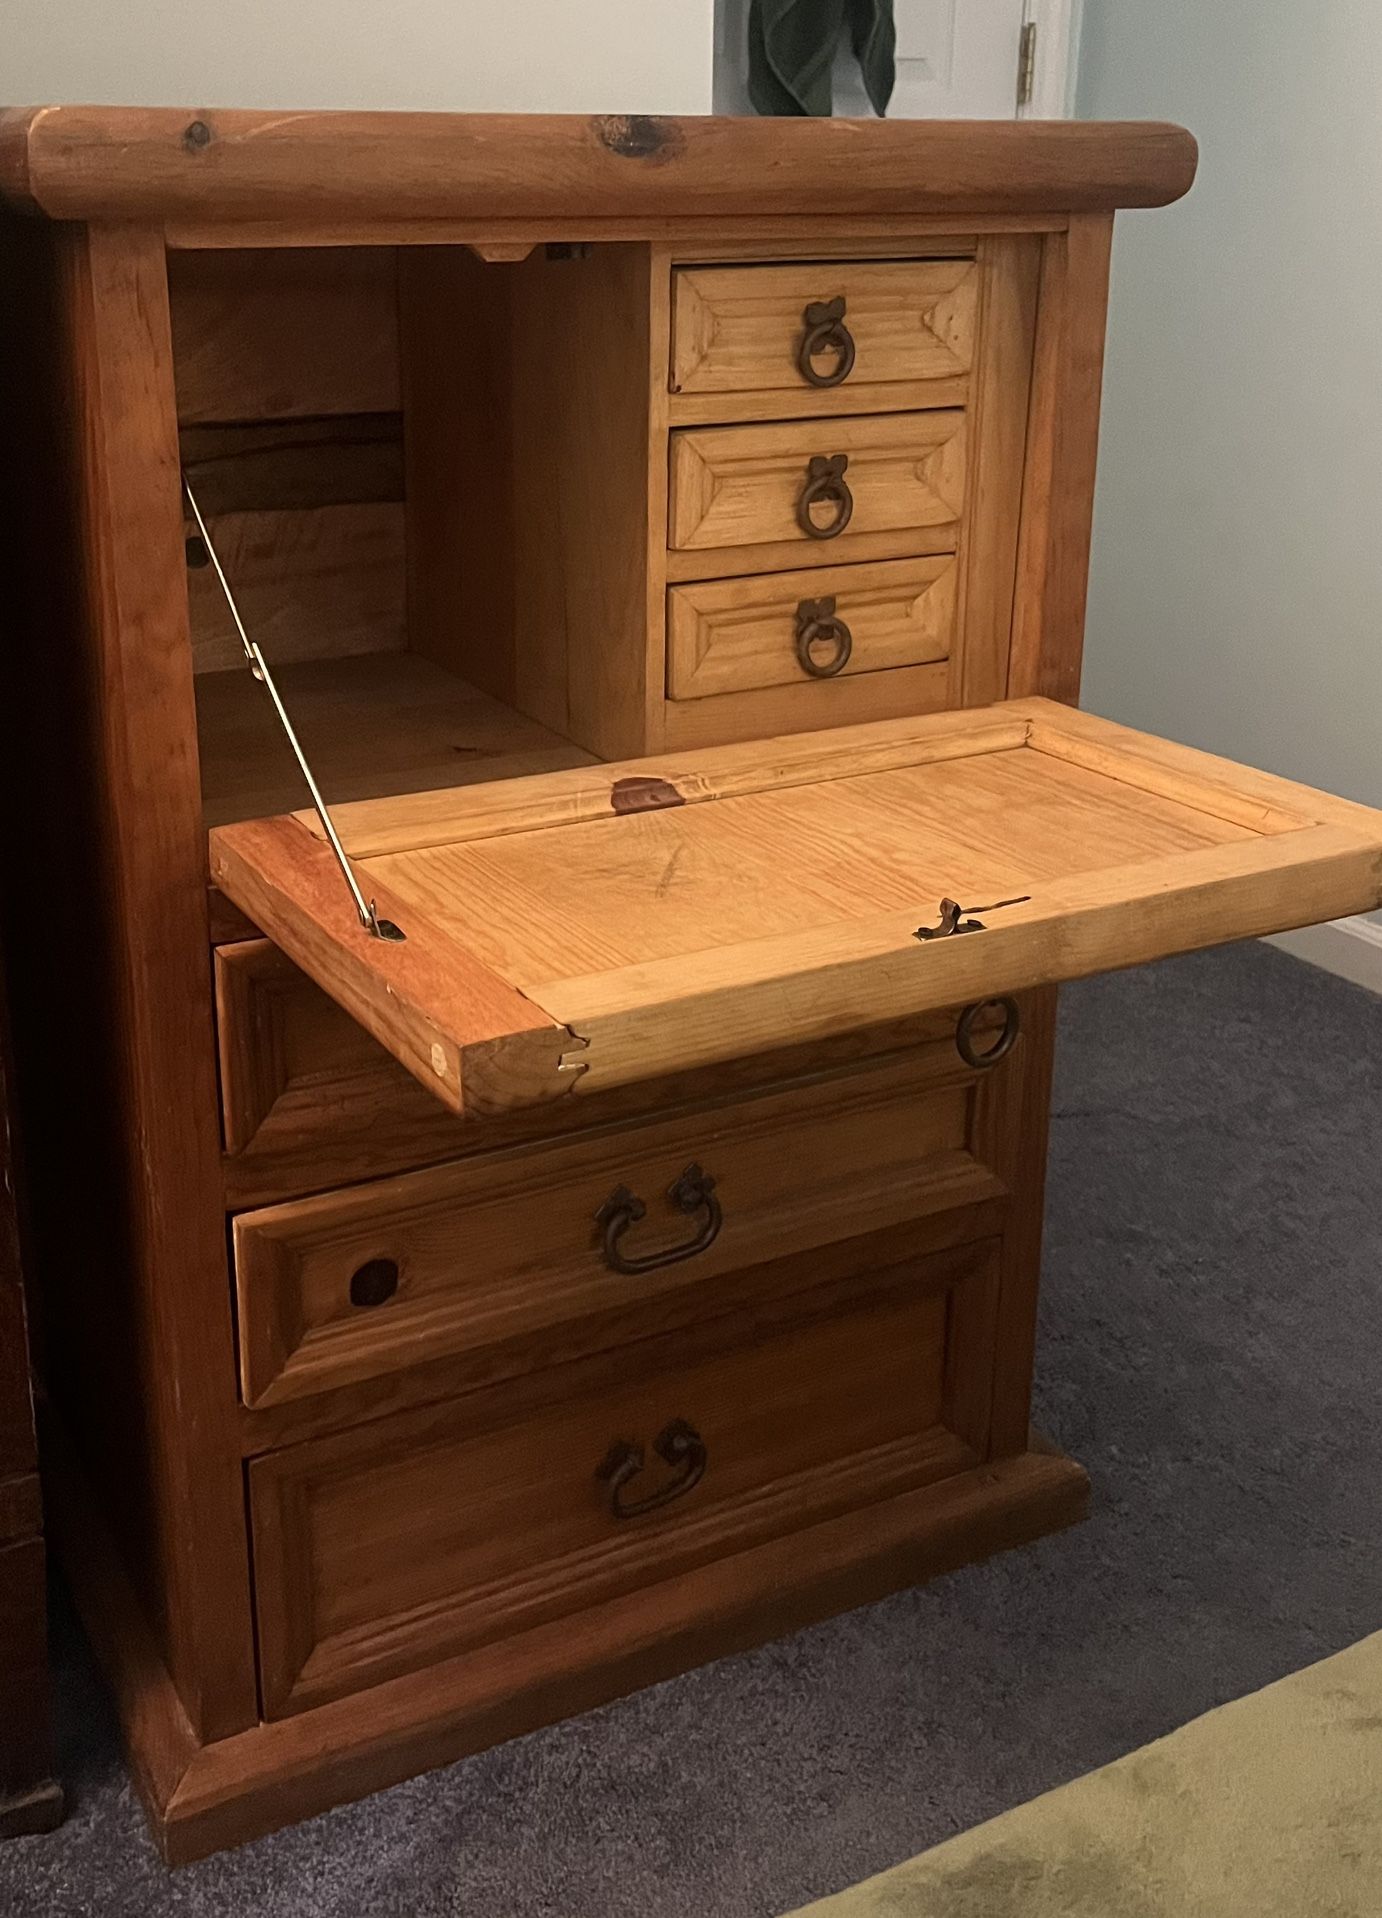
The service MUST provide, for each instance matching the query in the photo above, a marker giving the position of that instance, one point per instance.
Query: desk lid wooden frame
(579, 930)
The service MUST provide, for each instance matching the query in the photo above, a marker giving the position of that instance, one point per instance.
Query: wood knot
(196, 136)
(644, 794)
(637, 136)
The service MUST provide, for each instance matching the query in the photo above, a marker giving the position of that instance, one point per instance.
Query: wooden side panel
(1062, 446)
(527, 424)
(390, 1547)
(117, 1059)
(1009, 266)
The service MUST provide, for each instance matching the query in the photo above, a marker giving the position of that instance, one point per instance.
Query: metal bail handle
(678, 1444)
(693, 1192)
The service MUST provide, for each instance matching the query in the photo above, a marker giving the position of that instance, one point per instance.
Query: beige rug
(1270, 1807)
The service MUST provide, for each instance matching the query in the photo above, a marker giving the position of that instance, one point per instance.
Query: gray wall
(520, 56)
(1236, 593)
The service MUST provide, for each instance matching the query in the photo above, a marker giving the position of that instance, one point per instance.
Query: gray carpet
(1212, 1349)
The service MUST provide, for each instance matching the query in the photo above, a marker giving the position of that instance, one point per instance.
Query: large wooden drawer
(791, 629)
(811, 481)
(395, 1544)
(825, 329)
(310, 1101)
(560, 1248)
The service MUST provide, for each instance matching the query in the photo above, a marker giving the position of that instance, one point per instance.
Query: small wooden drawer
(412, 1538)
(542, 1252)
(807, 482)
(825, 329)
(785, 629)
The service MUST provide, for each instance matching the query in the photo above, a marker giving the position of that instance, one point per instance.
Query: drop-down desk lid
(577, 930)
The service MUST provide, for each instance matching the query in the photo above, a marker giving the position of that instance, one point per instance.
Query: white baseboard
(1352, 948)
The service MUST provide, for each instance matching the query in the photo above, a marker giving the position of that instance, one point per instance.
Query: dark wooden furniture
(670, 538)
(30, 1796)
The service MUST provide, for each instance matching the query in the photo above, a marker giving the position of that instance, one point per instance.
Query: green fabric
(1270, 1807)
(792, 45)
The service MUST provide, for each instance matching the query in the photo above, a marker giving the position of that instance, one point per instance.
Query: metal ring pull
(678, 1444)
(818, 625)
(693, 1192)
(826, 332)
(1007, 1035)
(825, 481)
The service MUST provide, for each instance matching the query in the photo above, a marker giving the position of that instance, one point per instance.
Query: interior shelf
(371, 726)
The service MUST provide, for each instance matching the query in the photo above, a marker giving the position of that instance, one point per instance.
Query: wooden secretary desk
(612, 1238)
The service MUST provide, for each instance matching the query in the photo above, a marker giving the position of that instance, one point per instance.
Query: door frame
(1057, 24)
(1053, 92)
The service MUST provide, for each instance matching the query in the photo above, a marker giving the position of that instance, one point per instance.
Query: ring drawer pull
(1002, 1045)
(678, 1444)
(693, 1192)
(825, 483)
(826, 332)
(817, 625)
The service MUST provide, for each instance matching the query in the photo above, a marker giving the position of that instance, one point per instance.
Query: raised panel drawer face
(308, 1098)
(755, 485)
(745, 329)
(504, 1248)
(787, 629)
(591, 929)
(415, 1537)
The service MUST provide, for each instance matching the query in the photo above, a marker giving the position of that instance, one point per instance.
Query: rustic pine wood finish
(382, 1549)
(392, 1265)
(615, 930)
(729, 636)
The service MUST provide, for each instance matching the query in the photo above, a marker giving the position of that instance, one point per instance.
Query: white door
(956, 60)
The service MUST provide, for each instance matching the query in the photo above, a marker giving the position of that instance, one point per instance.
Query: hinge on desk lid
(952, 921)
(366, 910)
(1026, 63)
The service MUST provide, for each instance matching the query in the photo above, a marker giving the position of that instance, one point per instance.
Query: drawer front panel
(485, 1253)
(308, 1098)
(407, 1540)
(758, 485)
(787, 629)
(821, 327)
(310, 1101)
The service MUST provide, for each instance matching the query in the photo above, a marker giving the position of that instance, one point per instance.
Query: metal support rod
(259, 666)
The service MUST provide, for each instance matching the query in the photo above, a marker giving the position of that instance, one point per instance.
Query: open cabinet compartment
(352, 422)
(454, 499)
(583, 929)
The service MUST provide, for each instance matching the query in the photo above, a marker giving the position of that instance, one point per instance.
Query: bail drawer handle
(825, 485)
(818, 624)
(825, 332)
(678, 1444)
(693, 1192)
(976, 1056)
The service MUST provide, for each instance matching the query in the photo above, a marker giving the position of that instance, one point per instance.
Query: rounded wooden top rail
(213, 165)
